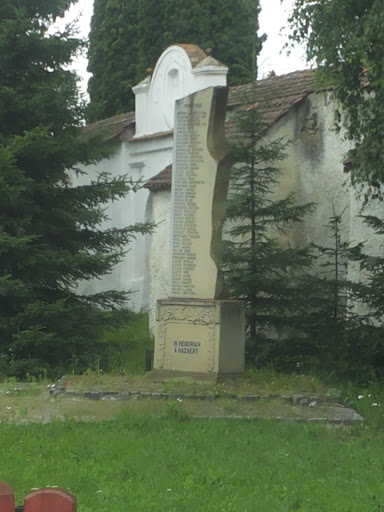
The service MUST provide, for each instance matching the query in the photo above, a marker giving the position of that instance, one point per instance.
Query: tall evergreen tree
(113, 58)
(367, 343)
(151, 35)
(259, 269)
(127, 37)
(51, 233)
(229, 29)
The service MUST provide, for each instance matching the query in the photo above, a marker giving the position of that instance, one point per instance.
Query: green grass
(134, 339)
(145, 463)
(368, 401)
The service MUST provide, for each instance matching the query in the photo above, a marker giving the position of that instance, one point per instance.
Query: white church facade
(143, 147)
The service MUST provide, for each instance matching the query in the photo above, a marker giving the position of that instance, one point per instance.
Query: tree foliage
(367, 344)
(260, 267)
(114, 59)
(346, 40)
(51, 233)
(127, 38)
(329, 318)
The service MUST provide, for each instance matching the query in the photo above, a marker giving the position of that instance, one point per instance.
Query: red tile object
(7, 499)
(49, 500)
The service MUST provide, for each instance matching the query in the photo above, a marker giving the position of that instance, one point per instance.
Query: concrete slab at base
(200, 336)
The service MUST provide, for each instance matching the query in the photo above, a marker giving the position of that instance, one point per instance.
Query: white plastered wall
(313, 171)
(175, 76)
(159, 253)
(314, 168)
(145, 155)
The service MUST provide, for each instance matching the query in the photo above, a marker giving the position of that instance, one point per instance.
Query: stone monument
(198, 330)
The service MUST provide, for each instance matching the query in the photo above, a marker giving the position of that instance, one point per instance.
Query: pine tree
(127, 38)
(259, 269)
(339, 332)
(51, 233)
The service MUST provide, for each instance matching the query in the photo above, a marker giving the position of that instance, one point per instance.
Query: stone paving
(301, 408)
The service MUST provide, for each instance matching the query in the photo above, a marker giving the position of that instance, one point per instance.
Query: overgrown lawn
(144, 463)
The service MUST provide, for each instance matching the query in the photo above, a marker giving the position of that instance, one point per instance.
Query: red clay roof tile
(276, 95)
(161, 181)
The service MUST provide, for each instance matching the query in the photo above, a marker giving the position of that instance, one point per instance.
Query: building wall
(180, 71)
(150, 156)
(312, 170)
(118, 214)
(159, 253)
(139, 160)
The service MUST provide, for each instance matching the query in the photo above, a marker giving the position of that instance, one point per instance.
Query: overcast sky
(273, 19)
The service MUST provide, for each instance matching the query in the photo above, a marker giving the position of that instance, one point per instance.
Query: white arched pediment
(180, 71)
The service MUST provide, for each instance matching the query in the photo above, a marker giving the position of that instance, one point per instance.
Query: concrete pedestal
(200, 336)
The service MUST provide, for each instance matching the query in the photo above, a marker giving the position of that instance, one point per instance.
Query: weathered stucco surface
(181, 70)
(313, 170)
(159, 260)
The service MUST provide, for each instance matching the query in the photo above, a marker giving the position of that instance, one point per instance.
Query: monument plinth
(205, 336)
(198, 330)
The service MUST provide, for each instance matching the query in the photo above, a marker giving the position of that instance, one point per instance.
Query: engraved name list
(188, 159)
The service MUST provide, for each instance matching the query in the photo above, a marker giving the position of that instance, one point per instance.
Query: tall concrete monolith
(198, 329)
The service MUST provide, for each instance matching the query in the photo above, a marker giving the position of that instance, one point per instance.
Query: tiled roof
(195, 54)
(275, 95)
(110, 128)
(152, 136)
(163, 180)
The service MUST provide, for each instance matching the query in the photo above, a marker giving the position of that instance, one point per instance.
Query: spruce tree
(127, 38)
(260, 269)
(51, 233)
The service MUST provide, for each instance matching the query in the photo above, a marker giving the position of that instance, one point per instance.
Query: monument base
(200, 336)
